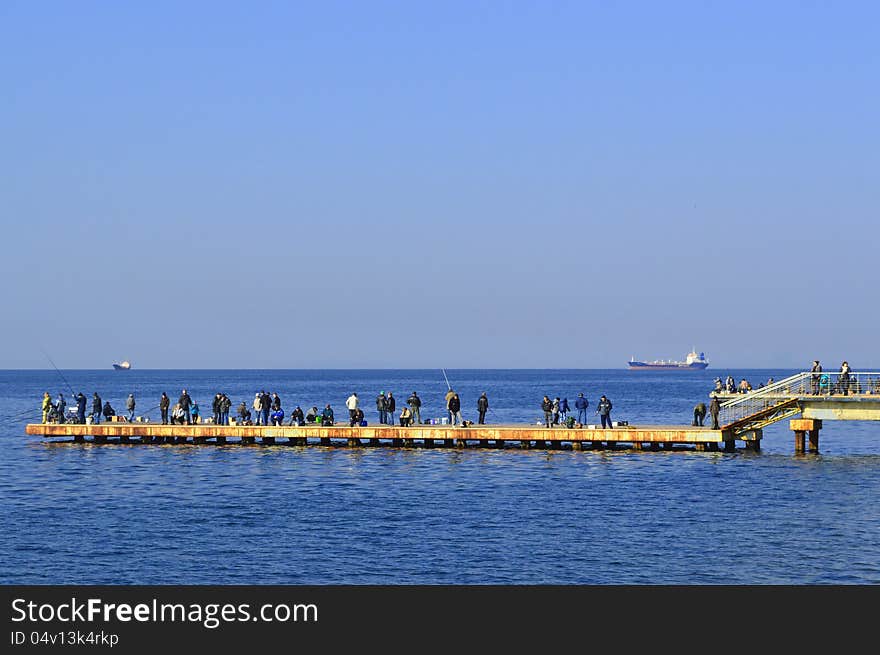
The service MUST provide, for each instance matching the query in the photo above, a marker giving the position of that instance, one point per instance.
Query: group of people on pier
(266, 409)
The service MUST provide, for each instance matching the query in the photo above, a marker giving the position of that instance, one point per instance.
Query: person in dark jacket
(185, 403)
(415, 405)
(60, 408)
(97, 406)
(164, 404)
(455, 409)
(108, 411)
(699, 413)
(215, 409)
(482, 408)
(563, 410)
(265, 407)
(603, 409)
(390, 407)
(381, 407)
(581, 405)
(296, 416)
(225, 406)
(714, 410)
(80, 407)
(547, 408)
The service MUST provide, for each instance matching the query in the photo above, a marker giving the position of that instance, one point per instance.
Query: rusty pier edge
(654, 438)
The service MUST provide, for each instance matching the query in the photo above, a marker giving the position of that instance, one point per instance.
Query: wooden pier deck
(653, 437)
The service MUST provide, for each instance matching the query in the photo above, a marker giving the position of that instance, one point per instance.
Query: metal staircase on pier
(759, 408)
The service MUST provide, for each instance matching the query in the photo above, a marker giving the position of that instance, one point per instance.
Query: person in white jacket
(352, 404)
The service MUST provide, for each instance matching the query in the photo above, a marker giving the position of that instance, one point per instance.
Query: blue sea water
(176, 514)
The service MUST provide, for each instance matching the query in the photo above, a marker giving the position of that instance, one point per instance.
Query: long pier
(500, 436)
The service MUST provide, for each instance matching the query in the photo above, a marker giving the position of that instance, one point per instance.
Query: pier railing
(775, 401)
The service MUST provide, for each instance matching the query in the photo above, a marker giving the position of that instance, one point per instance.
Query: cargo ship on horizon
(694, 361)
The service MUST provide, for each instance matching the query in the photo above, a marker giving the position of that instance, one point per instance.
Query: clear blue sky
(427, 184)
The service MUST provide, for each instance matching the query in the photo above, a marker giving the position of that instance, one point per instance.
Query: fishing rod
(448, 386)
(72, 392)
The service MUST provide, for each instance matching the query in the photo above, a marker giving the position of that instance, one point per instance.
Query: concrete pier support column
(409, 443)
(325, 441)
(597, 445)
(637, 445)
(655, 447)
(354, 442)
(221, 440)
(78, 438)
(802, 426)
(374, 442)
(577, 445)
(668, 445)
(814, 441)
(753, 439)
(460, 443)
(397, 443)
(448, 442)
(499, 443)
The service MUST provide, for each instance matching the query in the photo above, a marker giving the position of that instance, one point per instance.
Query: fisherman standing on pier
(164, 404)
(352, 404)
(97, 406)
(380, 407)
(455, 409)
(390, 407)
(714, 409)
(80, 408)
(415, 406)
(265, 405)
(185, 403)
(129, 405)
(604, 412)
(547, 408)
(215, 408)
(816, 371)
(46, 407)
(482, 408)
(60, 407)
(447, 398)
(581, 405)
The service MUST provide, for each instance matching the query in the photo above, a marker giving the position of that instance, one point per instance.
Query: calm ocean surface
(81, 514)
